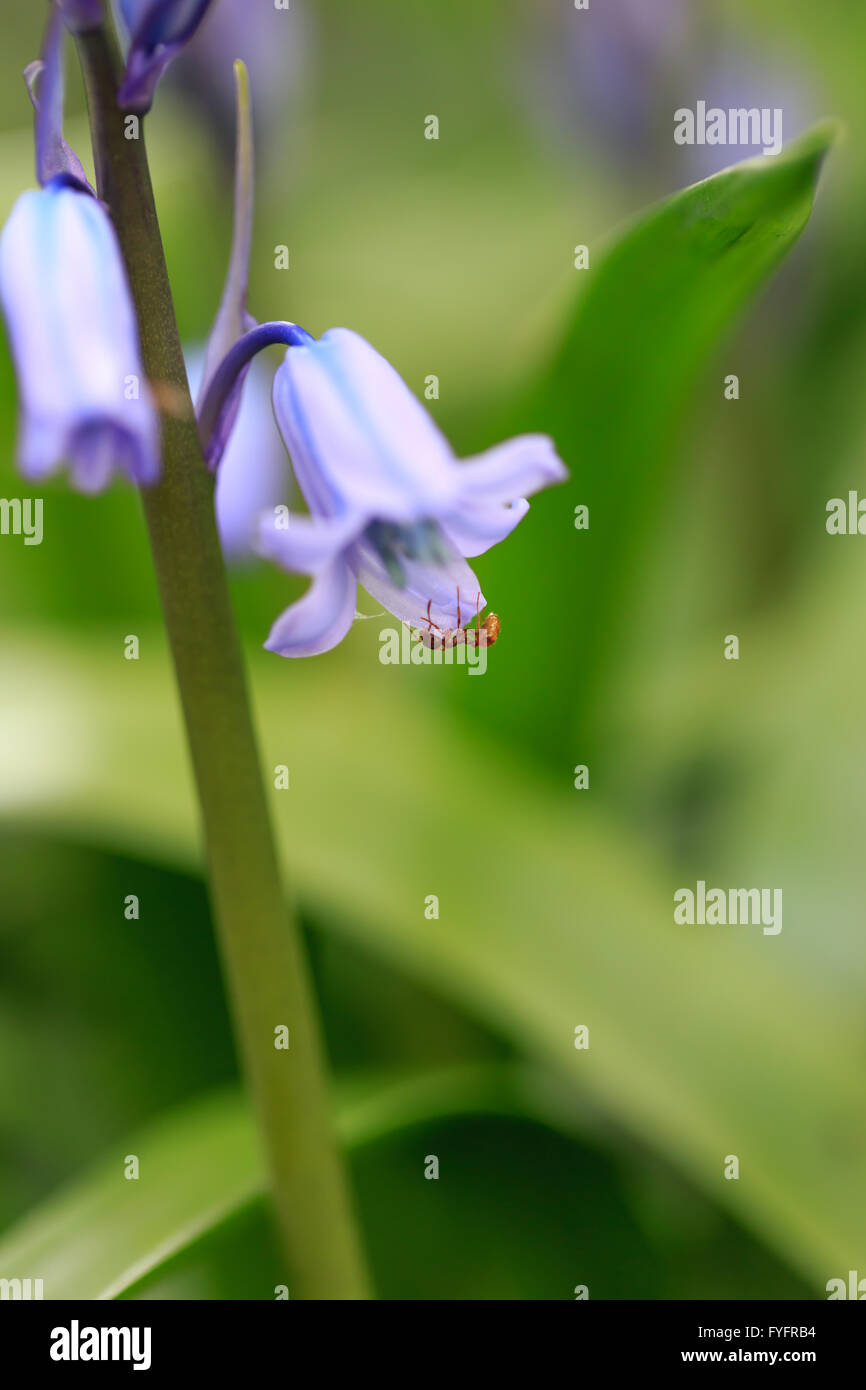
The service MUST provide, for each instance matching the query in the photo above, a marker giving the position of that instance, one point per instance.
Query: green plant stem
(262, 952)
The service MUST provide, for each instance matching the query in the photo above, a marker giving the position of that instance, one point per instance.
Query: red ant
(455, 637)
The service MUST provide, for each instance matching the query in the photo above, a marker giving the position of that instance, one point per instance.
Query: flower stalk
(262, 953)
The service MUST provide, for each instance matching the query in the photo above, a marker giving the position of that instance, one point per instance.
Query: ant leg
(427, 638)
(459, 623)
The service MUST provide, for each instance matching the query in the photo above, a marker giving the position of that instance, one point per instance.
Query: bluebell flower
(158, 30)
(72, 330)
(69, 313)
(390, 505)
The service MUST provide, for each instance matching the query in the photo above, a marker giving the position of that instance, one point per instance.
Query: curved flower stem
(262, 952)
(239, 355)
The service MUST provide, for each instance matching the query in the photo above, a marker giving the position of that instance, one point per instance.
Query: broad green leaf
(96, 1238)
(654, 308)
(196, 1223)
(200, 1167)
(81, 984)
(703, 1043)
(794, 706)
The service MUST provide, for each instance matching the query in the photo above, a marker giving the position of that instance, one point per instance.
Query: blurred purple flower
(733, 79)
(274, 46)
(622, 55)
(617, 72)
(390, 506)
(69, 313)
(253, 475)
(158, 30)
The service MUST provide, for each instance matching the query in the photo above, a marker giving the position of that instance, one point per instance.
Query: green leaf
(200, 1169)
(655, 307)
(196, 1223)
(702, 1043)
(99, 1236)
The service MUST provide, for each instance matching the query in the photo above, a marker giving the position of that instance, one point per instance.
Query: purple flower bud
(158, 30)
(74, 340)
(81, 15)
(390, 505)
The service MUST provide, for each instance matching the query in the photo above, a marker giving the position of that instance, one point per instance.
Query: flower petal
(452, 591)
(358, 438)
(515, 469)
(74, 337)
(253, 474)
(307, 545)
(474, 530)
(319, 620)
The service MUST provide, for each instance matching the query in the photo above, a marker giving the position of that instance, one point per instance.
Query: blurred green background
(455, 1037)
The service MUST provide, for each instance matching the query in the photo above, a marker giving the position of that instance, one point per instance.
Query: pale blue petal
(254, 471)
(358, 438)
(319, 620)
(305, 545)
(517, 468)
(73, 336)
(253, 475)
(474, 530)
(451, 590)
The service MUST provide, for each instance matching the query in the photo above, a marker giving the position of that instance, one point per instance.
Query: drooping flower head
(158, 30)
(391, 507)
(84, 398)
